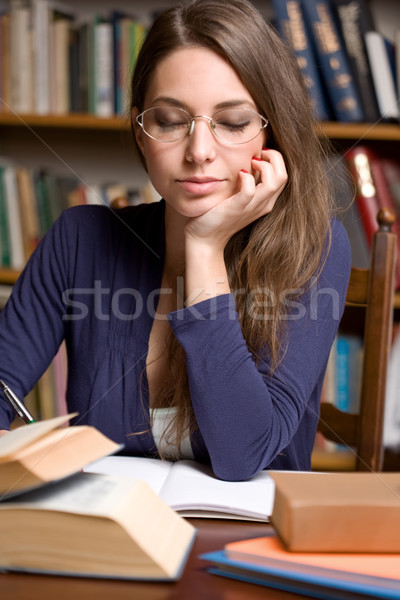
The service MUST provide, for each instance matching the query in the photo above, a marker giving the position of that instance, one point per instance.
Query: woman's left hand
(253, 200)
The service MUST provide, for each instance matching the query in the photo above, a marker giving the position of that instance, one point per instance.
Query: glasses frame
(263, 124)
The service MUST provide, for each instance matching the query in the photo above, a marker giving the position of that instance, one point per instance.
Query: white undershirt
(161, 418)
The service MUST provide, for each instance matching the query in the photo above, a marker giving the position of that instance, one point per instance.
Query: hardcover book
(333, 61)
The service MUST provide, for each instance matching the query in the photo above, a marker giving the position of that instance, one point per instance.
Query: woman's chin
(195, 206)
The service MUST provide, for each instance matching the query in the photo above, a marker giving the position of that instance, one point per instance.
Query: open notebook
(193, 490)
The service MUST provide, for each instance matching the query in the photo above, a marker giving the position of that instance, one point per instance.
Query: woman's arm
(31, 325)
(246, 417)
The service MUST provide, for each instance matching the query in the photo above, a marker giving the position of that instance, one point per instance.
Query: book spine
(391, 170)
(355, 20)
(5, 104)
(41, 52)
(104, 71)
(291, 26)
(333, 60)
(5, 254)
(342, 373)
(365, 192)
(17, 253)
(382, 76)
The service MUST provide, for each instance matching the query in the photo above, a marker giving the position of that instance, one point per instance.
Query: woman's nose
(201, 142)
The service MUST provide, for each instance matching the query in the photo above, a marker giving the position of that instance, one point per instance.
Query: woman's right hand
(3, 431)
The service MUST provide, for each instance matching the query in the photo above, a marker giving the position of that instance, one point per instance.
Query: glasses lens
(237, 125)
(165, 123)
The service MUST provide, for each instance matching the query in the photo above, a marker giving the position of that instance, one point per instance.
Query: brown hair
(284, 249)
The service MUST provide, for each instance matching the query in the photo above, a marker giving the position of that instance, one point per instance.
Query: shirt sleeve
(31, 324)
(246, 416)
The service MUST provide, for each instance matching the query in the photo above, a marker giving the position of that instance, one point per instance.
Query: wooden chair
(373, 289)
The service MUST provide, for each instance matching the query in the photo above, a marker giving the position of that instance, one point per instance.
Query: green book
(5, 252)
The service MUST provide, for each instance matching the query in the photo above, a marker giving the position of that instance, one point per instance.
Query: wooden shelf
(366, 131)
(362, 131)
(71, 121)
(8, 276)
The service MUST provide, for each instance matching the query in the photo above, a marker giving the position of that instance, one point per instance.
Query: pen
(16, 404)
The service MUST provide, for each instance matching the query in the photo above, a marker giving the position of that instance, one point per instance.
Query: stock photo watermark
(129, 304)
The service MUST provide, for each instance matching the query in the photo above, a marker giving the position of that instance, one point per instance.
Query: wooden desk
(195, 583)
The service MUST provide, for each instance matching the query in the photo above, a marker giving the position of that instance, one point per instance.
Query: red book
(372, 192)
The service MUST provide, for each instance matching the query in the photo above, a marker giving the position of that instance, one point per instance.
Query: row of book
(51, 62)
(31, 200)
(66, 65)
(350, 68)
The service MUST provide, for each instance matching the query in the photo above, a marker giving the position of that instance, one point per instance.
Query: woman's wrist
(205, 272)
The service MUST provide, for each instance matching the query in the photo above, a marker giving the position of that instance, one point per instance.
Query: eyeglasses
(230, 125)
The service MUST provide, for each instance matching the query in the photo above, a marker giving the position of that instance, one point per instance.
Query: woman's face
(197, 172)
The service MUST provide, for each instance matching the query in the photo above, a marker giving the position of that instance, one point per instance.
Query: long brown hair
(282, 251)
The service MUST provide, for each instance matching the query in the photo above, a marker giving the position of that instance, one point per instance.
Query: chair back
(372, 289)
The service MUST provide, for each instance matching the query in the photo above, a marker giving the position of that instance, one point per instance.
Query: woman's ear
(139, 135)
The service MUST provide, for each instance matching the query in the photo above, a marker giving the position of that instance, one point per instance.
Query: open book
(94, 525)
(33, 455)
(193, 490)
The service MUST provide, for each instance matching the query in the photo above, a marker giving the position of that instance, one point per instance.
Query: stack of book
(349, 67)
(335, 537)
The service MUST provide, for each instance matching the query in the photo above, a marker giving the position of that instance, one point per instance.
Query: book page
(152, 470)
(83, 493)
(187, 485)
(192, 486)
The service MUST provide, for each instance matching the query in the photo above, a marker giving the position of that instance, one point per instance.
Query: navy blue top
(93, 281)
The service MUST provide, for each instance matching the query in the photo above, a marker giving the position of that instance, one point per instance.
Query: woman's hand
(3, 431)
(253, 200)
(206, 236)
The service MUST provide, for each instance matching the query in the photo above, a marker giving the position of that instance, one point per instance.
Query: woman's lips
(200, 185)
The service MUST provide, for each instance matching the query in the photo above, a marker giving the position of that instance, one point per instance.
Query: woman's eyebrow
(234, 103)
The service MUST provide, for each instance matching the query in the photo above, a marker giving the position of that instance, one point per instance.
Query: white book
(59, 66)
(192, 489)
(103, 70)
(382, 75)
(14, 219)
(41, 45)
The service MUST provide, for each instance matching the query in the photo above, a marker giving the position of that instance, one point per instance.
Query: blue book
(342, 373)
(333, 60)
(327, 584)
(291, 27)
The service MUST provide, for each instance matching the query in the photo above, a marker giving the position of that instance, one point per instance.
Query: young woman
(200, 325)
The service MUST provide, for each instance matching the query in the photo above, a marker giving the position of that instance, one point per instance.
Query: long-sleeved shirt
(94, 281)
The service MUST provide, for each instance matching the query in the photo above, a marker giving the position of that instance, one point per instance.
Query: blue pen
(16, 404)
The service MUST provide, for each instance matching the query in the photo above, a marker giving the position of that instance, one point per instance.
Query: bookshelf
(89, 145)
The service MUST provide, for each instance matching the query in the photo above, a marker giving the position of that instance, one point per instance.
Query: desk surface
(195, 584)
